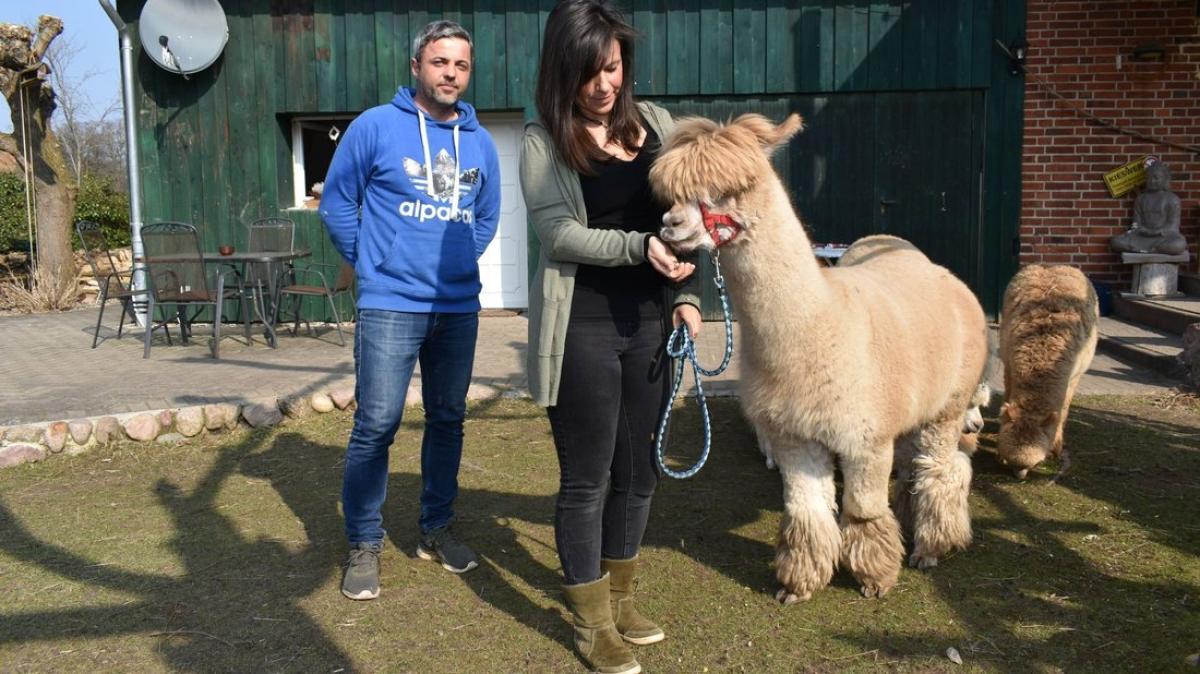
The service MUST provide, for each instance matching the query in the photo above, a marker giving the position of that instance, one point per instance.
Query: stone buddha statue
(1155, 226)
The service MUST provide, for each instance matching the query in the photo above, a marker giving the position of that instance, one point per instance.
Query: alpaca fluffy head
(717, 166)
(1025, 439)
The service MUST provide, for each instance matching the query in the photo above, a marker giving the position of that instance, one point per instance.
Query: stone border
(30, 443)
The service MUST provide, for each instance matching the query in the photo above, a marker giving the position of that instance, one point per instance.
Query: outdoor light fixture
(1149, 52)
(1017, 50)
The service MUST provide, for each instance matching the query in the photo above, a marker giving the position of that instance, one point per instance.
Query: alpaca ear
(791, 126)
(768, 134)
(1008, 412)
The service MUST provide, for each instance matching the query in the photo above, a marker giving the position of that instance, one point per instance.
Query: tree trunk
(31, 100)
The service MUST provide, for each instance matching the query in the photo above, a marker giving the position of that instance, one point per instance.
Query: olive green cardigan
(554, 204)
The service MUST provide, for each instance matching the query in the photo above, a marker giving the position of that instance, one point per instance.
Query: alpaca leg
(1057, 448)
(1082, 361)
(871, 545)
(809, 539)
(941, 480)
(764, 446)
(902, 493)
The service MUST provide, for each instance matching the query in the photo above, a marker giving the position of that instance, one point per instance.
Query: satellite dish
(183, 36)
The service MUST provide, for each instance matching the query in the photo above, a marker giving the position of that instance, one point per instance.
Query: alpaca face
(683, 228)
(716, 166)
(688, 226)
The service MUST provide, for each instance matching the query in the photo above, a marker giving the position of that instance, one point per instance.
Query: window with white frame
(314, 140)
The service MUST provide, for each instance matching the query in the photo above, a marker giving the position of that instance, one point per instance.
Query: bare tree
(33, 144)
(77, 115)
(102, 151)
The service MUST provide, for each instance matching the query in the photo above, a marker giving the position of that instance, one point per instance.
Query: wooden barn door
(901, 163)
(927, 173)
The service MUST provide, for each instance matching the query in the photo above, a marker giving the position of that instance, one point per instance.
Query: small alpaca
(1047, 340)
(973, 421)
(849, 363)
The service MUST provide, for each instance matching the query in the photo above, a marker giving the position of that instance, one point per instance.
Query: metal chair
(113, 285)
(177, 275)
(343, 283)
(268, 235)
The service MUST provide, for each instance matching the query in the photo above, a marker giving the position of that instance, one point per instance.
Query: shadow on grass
(1029, 594)
(236, 601)
(1044, 588)
(233, 597)
(1037, 605)
(700, 517)
(683, 519)
(1146, 468)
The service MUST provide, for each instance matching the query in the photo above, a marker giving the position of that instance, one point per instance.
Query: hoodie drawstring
(457, 172)
(425, 147)
(429, 163)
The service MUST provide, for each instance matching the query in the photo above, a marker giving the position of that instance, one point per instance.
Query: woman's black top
(618, 196)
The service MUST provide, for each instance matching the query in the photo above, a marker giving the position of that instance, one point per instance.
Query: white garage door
(503, 268)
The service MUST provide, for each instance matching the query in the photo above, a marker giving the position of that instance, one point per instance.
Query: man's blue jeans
(387, 346)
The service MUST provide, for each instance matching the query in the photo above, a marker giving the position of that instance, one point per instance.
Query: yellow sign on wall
(1123, 179)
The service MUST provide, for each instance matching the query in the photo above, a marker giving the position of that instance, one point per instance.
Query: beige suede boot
(633, 627)
(596, 638)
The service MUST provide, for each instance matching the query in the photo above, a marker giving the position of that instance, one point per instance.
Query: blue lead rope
(680, 346)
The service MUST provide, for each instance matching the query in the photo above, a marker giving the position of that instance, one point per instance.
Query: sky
(90, 30)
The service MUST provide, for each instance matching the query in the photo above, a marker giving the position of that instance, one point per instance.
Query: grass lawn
(223, 554)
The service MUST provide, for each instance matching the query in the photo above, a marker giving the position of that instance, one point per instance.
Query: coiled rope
(680, 346)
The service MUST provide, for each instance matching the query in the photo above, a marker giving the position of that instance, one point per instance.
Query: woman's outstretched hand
(665, 262)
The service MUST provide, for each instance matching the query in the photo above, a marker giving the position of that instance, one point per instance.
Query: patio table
(274, 259)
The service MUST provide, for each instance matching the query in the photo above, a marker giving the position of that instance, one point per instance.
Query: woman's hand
(689, 314)
(665, 262)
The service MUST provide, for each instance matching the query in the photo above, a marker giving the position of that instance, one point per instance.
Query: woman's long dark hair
(578, 40)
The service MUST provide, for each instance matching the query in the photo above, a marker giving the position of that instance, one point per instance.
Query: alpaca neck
(775, 267)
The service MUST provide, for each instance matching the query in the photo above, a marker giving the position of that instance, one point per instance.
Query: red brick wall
(1067, 215)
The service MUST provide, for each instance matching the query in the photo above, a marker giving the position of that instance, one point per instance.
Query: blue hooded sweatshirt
(412, 203)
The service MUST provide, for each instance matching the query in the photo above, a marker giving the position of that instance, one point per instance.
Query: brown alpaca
(1047, 340)
(846, 363)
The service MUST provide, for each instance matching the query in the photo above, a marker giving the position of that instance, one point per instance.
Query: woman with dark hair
(604, 293)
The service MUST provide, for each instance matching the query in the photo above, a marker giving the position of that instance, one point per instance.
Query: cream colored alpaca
(1047, 340)
(836, 362)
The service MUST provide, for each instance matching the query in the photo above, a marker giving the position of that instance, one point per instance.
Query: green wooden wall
(215, 149)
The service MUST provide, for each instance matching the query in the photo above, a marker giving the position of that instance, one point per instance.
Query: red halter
(720, 227)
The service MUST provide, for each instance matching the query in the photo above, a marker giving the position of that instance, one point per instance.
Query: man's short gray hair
(439, 30)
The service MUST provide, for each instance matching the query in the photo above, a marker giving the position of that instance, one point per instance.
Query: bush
(99, 202)
(13, 227)
(96, 200)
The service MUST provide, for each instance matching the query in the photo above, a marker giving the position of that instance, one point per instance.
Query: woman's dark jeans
(613, 387)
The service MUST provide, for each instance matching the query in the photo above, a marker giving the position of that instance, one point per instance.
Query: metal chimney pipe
(132, 168)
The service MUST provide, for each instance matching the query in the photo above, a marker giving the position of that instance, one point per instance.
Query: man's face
(443, 72)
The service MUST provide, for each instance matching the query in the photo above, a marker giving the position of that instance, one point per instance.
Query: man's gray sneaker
(361, 580)
(441, 545)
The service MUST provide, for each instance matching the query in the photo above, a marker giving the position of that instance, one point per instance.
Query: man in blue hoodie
(412, 200)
